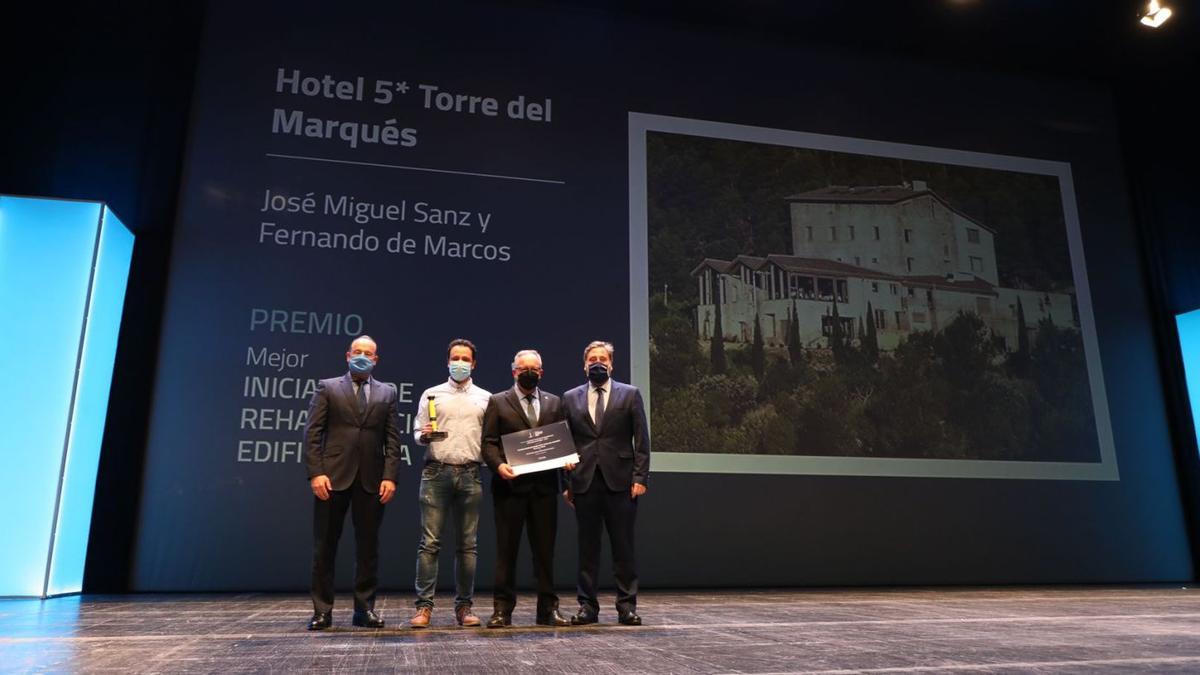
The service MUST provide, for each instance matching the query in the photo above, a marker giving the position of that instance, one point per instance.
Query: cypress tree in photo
(717, 352)
(795, 349)
(758, 356)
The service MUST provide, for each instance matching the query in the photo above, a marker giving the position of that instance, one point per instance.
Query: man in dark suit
(352, 453)
(522, 501)
(608, 423)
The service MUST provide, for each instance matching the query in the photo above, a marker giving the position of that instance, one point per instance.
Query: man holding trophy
(449, 422)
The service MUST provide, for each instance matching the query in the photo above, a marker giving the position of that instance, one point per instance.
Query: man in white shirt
(451, 487)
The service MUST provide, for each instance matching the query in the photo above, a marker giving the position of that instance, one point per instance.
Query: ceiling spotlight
(1155, 14)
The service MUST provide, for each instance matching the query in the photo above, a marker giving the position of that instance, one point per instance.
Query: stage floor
(1059, 630)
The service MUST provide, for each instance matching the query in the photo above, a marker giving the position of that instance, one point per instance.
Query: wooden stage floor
(1019, 630)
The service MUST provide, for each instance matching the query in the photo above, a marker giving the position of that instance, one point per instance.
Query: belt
(456, 466)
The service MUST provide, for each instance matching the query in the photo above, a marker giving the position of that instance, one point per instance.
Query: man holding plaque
(450, 422)
(525, 501)
(608, 420)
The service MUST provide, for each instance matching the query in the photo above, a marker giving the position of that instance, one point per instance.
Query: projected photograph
(805, 301)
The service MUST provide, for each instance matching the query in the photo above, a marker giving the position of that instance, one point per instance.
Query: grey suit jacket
(342, 444)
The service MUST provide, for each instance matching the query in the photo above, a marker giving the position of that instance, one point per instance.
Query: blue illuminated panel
(63, 269)
(113, 254)
(1189, 345)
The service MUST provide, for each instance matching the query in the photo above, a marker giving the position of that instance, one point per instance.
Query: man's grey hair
(599, 343)
(363, 337)
(524, 352)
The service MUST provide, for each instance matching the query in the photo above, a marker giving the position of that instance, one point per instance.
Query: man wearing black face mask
(608, 423)
(522, 501)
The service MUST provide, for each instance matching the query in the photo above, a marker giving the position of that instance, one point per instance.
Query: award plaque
(540, 448)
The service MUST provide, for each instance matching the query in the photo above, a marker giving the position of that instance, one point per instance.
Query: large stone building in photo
(901, 250)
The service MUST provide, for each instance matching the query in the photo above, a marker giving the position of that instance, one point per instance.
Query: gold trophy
(434, 435)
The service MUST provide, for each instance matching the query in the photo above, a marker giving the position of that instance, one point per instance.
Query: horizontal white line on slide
(416, 168)
(1077, 618)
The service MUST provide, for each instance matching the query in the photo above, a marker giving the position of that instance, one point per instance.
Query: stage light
(1155, 14)
(63, 269)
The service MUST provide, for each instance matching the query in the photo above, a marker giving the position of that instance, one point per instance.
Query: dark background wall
(102, 97)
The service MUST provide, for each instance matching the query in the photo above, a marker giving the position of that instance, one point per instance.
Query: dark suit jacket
(505, 414)
(341, 444)
(620, 447)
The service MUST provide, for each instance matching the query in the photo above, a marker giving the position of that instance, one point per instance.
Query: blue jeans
(448, 492)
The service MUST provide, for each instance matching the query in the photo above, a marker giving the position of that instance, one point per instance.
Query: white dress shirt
(460, 410)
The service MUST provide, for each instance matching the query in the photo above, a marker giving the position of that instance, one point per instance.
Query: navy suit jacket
(620, 447)
(341, 444)
(504, 415)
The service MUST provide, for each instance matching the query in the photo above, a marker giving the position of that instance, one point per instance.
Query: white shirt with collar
(460, 410)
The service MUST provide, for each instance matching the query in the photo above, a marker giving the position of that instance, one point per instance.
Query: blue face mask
(460, 370)
(361, 365)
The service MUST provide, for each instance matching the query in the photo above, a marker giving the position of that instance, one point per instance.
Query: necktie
(362, 397)
(529, 411)
(599, 406)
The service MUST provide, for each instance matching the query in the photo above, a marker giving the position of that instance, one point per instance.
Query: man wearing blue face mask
(352, 454)
(451, 488)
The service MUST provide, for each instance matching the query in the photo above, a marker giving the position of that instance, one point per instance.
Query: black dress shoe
(553, 619)
(583, 617)
(320, 621)
(367, 619)
(630, 619)
(499, 620)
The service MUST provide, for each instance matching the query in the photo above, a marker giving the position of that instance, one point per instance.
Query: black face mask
(598, 373)
(528, 379)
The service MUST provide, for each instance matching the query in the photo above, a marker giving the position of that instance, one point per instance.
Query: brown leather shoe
(465, 616)
(421, 618)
